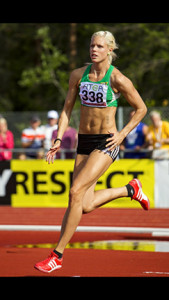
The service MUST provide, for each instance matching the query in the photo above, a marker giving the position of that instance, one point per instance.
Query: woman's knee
(86, 208)
(75, 195)
(87, 205)
(78, 194)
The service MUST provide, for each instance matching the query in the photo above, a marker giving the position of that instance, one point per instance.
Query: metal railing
(150, 153)
(27, 151)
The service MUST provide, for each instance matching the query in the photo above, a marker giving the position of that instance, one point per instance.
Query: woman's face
(98, 49)
(156, 120)
(3, 127)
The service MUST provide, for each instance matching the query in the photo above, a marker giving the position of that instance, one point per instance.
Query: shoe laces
(48, 258)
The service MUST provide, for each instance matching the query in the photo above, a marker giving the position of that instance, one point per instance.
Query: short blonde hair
(110, 40)
(3, 121)
(154, 113)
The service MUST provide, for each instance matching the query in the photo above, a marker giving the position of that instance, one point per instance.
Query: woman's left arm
(124, 85)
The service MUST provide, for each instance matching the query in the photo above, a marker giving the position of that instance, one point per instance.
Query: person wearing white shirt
(33, 137)
(47, 129)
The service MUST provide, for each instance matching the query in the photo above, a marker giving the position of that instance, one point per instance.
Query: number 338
(92, 96)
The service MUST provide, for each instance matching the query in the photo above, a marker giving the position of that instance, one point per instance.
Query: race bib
(93, 94)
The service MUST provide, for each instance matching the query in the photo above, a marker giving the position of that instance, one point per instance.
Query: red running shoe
(50, 264)
(139, 195)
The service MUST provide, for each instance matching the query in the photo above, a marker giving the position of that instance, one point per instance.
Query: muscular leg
(94, 199)
(87, 172)
(79, 164)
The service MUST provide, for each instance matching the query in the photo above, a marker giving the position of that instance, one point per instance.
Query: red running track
(100, 217)
(81, 262)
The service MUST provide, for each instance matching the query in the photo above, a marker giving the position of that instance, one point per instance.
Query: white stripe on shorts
(112, 153)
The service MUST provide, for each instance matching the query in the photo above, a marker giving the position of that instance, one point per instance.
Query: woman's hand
(115, 140)
(51, 153)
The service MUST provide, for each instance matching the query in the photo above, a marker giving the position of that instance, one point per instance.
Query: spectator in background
(158, 133)
(48, 129)
(6, 140)
(69, 141)
(21, 156)
(135, 140)
(33, 137)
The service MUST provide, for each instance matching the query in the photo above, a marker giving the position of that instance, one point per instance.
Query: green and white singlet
(100, 93)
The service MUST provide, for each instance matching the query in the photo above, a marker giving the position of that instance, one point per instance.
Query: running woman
(99, 85)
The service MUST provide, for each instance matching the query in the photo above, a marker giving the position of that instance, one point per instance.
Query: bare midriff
(95, 120)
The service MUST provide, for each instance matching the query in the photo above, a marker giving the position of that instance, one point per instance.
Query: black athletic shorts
(89, 142)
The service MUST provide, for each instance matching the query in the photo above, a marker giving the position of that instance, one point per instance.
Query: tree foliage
(35, 61)
(144, 58)
(49, 70)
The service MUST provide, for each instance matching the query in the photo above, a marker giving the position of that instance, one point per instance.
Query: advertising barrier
(161, 188)
(35, 183)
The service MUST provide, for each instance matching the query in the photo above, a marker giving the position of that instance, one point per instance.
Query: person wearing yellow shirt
(158, 132)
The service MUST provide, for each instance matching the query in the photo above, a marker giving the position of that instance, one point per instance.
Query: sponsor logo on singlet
(93, 94)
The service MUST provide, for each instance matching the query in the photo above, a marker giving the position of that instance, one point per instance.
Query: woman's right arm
(66, 113)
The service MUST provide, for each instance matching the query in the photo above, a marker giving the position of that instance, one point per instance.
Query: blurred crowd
(147, 141)
(37, 139)
(142, 142)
